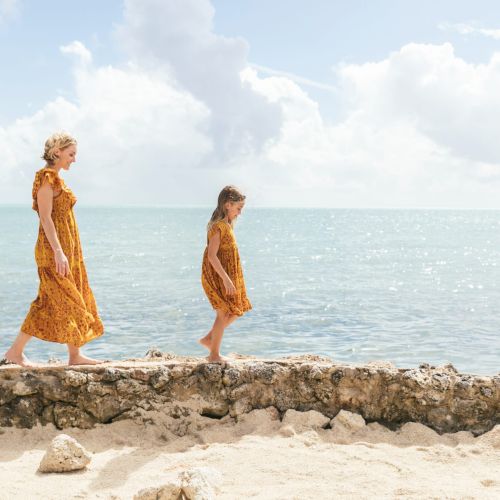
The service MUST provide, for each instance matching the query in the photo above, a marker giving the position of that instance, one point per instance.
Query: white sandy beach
(258, 457)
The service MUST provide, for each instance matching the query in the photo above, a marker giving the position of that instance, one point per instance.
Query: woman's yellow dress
(64, 310)
(230, 259)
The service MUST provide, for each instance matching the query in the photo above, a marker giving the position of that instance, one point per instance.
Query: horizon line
(259, 207)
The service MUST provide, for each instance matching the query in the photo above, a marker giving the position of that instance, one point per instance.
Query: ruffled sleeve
(46, 174)
(219, 226)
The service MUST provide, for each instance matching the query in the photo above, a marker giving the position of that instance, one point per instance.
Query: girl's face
(66, 157)
(234, 208)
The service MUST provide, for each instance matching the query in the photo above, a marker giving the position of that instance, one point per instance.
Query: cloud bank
(186, 113)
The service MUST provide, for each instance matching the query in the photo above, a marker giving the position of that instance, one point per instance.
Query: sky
(383, 104)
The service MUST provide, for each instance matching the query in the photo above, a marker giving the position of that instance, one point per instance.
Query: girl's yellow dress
(64, 310)
(230, 259)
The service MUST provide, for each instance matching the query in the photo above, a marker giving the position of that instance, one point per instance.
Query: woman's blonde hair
(228, 193)
(59, 140)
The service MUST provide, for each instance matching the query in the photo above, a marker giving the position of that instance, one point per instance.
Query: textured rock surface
(178, 388)
(200, 483)
(169, 491)
(65, 454)
(311, 419)
(344, 424)
(348, 421)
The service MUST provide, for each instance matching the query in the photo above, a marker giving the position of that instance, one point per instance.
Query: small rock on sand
(200, 483)
(169, 491)
(63, 455)
(303, 420)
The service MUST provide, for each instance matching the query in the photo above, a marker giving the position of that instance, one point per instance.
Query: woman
(64, 310)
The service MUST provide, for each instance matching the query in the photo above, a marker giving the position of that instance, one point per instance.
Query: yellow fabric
(212, 283)
(64, 310)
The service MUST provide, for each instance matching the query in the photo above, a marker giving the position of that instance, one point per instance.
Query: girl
(65, 310)
(222, 275)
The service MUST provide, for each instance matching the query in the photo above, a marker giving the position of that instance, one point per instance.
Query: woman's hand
(62, 264)
(229, 286)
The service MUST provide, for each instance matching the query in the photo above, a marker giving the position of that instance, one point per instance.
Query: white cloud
(188, 114)
(8, 9)
(417, 129)
(470, 29)
(136, 132)
(179, 36)
(77, 48)
(451, 102)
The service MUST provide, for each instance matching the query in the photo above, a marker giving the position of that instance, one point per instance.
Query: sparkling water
(406, 286)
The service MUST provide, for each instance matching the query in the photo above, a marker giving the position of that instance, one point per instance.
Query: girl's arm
(213, 248)
(44, 199)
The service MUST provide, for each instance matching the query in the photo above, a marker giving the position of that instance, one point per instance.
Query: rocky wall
(440, 398)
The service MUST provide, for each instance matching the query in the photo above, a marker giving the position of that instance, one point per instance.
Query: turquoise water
(408, 286)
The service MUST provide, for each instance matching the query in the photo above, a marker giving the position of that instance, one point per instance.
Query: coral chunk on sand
(169, 491)
(200, 483)
(63, 455)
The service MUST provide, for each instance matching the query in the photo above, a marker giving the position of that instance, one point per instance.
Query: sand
(258, 458)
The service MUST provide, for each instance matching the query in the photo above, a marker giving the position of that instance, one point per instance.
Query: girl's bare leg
(206, 341)
(76, 358)
(15, 354)
(230, 319)
(222, 320)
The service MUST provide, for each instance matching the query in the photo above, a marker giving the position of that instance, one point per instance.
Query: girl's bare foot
(17, 359)
(206, 341)
(80, 359)
(217, 359)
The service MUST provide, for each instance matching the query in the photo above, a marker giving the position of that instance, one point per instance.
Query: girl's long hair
(228, 193)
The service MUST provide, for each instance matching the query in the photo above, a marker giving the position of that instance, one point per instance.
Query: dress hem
(59, 342)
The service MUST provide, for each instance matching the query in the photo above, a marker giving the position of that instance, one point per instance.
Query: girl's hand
(62, 264)
(229, 286)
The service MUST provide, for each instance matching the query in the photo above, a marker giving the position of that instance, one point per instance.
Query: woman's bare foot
(18, 359)
(80, 359)
(206, 341)
(217, 359)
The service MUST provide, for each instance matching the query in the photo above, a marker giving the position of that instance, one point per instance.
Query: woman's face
(66, 157)
(234, 209)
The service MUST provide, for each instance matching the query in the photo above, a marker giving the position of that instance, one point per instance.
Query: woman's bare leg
(77, 358)
(16, 352)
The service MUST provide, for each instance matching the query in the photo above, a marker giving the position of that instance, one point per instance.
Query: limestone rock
(304, 420)
(261, 421)
(84, 396)
(68, 416)
(64, 454)
(348, 421)
(200, 483)
(169, 491)
(345, 424)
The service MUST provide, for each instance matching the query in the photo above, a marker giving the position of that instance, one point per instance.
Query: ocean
(357, 285)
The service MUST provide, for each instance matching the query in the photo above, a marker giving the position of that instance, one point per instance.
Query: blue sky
(333, 74)
(304, 38)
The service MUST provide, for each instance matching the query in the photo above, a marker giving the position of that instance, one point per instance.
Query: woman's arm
(44, 199)
(213, 248)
